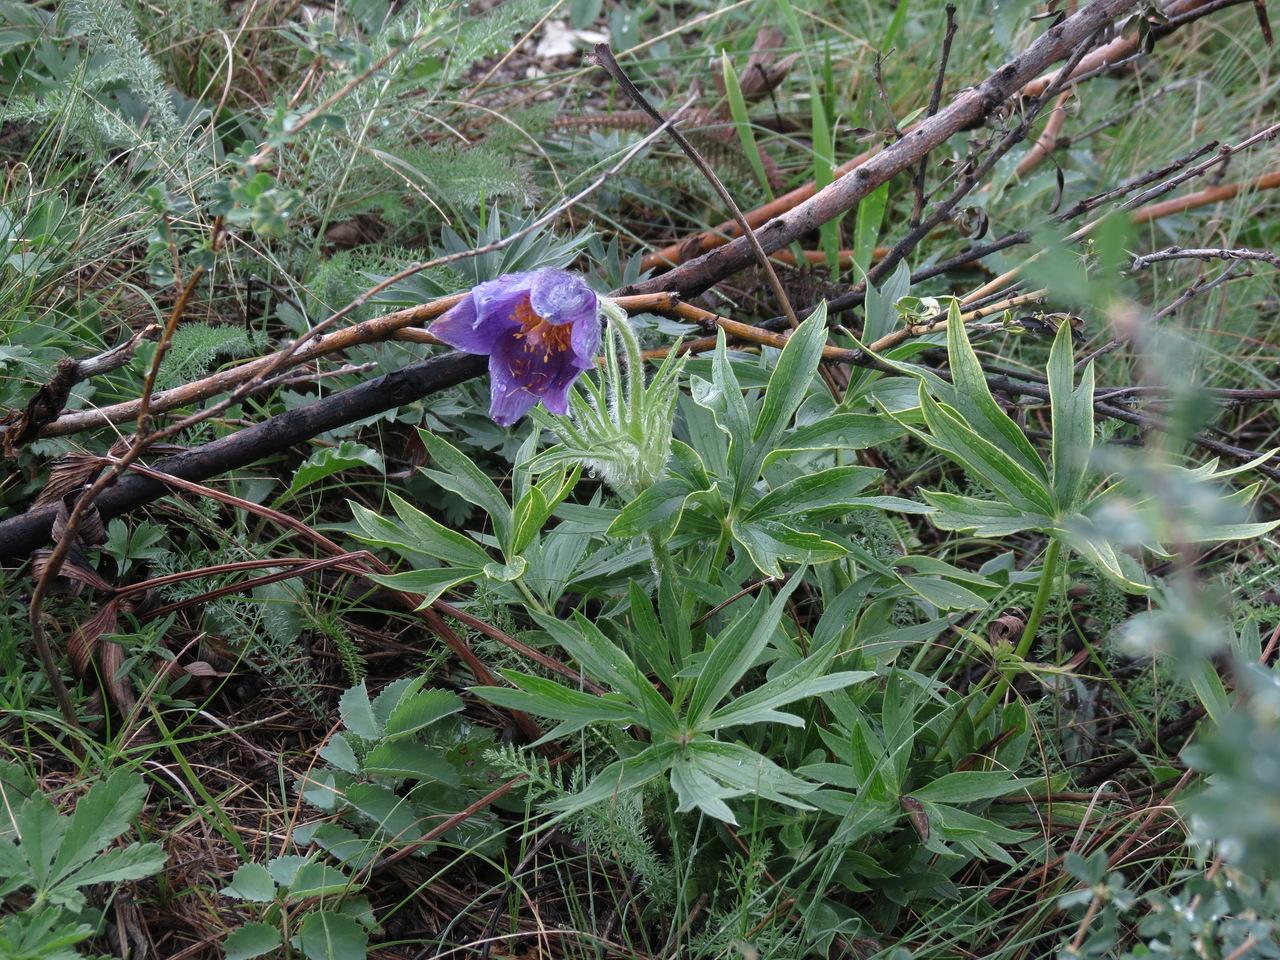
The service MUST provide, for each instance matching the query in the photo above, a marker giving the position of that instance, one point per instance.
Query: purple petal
(460, 327)
(556, 397)
(562, 298)
(508, 405)
(520, 377)
(496, 300)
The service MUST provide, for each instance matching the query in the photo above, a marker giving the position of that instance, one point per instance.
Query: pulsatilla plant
(704, 771)
(962, 421)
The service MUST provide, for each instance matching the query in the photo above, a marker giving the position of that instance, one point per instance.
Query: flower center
(539, 333)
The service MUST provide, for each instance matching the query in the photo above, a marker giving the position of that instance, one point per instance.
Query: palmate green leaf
(985, 518)
(55, 855)
(546, 698)
(1082, 535)
(968, 786)
(656, 508)
(100, 816)
(944, 594)
(458, 474)
(827, 493)
(696, 790)
(133, 862)
(648, 638)
(430, 583)
(808, 678)
(330, 460)
(735, 652)
(840, 431)
(605, 661)
(949, 433)
(620, 777)
(1071, 411)
(972, 399)
(788, 386)
(436, 540)
(743, 769)
(770, 542)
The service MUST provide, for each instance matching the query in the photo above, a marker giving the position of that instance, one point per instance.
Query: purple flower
(540, 331)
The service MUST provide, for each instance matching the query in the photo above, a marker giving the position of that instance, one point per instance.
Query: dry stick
(21, 534)
(1047, 142)
(1205, 253)
(1104, 58)
(605, 58)
(935, 99)
(385, 327)
(1203, 198)
(1223, 153)
(919, 230)
(64, 541)
(968, 109)
(48, 400)
(144, 436)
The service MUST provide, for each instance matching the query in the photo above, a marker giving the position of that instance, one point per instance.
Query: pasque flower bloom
(541, 330)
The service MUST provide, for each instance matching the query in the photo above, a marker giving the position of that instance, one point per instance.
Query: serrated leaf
(405, 759)
(251, 940)
(284, 869)
(330, 460)
(251, 882)
(415, 712)
(339, 753)
(357, 713)
(394, 816)
(329, 935)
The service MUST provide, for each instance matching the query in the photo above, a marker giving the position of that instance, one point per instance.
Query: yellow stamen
(537, 331)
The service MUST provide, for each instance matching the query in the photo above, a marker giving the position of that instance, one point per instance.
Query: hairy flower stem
(1028, 637)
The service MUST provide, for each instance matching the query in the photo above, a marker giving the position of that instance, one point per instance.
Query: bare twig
(1205, 253)
(605, 58)
(935, 99)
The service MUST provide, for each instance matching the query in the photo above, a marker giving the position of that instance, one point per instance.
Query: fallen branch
(1122, 49)
(966, 111)
(21, 534)
(1205, 253)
